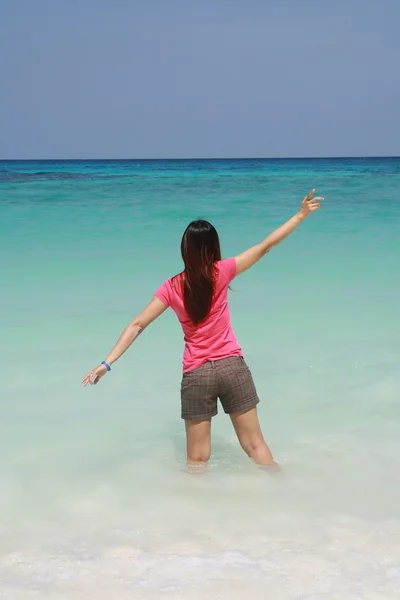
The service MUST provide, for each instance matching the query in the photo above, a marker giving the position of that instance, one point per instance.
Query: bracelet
(106, 365)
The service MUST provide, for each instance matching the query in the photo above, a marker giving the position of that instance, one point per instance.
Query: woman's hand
(310, 204)
(94, 376)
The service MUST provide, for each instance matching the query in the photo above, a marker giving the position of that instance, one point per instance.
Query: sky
(199, 79)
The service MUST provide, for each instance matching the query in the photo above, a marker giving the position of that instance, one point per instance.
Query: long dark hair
(200, 249)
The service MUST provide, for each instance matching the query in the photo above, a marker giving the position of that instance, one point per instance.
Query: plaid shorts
(228, 379)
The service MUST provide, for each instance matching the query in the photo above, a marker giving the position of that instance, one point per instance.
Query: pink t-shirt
(214, 337)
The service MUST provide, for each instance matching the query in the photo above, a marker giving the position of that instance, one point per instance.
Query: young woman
(213, 364)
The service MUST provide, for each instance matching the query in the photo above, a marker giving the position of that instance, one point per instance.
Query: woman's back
(213, 338)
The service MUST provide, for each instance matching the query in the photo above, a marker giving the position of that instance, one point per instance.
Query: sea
(95, 499)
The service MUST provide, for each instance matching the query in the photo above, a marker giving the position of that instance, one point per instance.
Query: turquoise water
(94, 498)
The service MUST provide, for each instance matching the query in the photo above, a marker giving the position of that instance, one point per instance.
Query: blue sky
(222, 78)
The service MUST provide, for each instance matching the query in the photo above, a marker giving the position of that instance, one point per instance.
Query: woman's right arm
(248, 258)
(152, 311)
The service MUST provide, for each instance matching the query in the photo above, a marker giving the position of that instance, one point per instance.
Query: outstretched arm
(248, 258)
(153, 310)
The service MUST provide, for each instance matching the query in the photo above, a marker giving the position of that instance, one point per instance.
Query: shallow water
(94, 497)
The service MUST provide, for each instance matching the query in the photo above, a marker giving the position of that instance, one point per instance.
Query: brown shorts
(228, 379)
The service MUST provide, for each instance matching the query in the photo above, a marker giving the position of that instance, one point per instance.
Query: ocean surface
(95, 501)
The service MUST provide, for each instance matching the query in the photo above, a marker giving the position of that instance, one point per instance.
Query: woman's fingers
(310, 204)
(94, 376)
(309, 197)
(91, 378)
(314, 202)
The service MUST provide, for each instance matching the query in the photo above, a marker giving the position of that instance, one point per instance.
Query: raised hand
(310, 204)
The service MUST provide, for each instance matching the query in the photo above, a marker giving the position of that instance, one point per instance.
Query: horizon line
(354, 157)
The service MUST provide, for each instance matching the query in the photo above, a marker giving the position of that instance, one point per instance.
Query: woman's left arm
(153, 310)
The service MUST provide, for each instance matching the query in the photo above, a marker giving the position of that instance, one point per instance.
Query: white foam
(283, 559)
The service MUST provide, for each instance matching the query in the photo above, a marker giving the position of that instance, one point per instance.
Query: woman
(213, 365)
